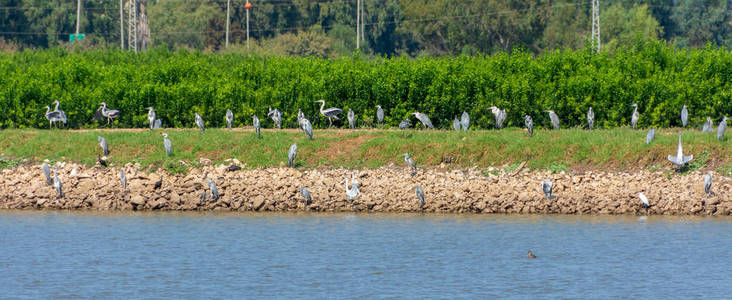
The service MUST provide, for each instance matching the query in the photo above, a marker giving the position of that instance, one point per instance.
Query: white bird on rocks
(167, 144)
(410, 163)
(590, 119)
(257, 126)
(420, 196)
(426, 123)
(644, 200)
(57, 184)
(456, 124)
(47, 171)
(103, 144)
(465, 121)
(707, 127)
(379, 114)
(684, 116)
(123, 178)
(229, 118)
(305, 194)
(721, 128)
(151, 117)
(546, 186)
(634, 118)
(214, 189)
(291, 155)
(554, 118)
(353, 191)
(680, 160)
(351, 119)
(529, 124)
(199, 121)
(330, 113)
(650, 135)
(708, 183)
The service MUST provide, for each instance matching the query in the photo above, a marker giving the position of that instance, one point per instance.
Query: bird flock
(333, 114)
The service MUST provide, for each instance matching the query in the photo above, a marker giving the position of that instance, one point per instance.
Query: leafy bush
(658, 77)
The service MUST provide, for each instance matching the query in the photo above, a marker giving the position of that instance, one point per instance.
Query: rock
(137, 200)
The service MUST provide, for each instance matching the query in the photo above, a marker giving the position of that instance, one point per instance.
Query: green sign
(76, 37)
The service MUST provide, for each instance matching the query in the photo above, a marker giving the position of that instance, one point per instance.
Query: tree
(621, 25)
(702, 21)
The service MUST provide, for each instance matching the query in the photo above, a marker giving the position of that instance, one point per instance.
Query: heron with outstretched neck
(635, 116)
(330, 113)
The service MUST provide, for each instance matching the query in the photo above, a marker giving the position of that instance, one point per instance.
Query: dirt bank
(387, 189)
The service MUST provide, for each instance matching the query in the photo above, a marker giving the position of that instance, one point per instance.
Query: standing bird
(410, 163)
(199, 121)
(529, 124)
(151, 117)
(456, 124)
(650, 135)
(107, 113)
(546, 186)
(307, 127)
(634, 118)
(102, 161)
(229, 118)
(55, 116)
(353, 191)
(47, 171)
(644, 200)
(420, 196)
(500, 116)
(707, 127)
(330, 113)
(404, 124)
(103, 144)
(61, 115)
(465, 121)
(167, 144)
(554, 118)
(721, 128)
(379, 114)
(57, 184)
(291, 155)
(300, 117)
(158, 124)
(680, 160)
(424, 119)
(123, 178)
(351, 119)
(305, 194)
(590, 119)
(276, 117)
(257, 126)
(684, 116)
(213, 188)
(708, 183)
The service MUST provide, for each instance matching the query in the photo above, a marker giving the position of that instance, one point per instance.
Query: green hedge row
(659, 78)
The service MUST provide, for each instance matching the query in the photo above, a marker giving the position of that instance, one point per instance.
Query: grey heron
(379, 114)
(529, 124)
(229, 118)
(307, 127)
(199, 122)
(531, 255)
(684, 116)
(158, 124)
(214, 189)
(291, 155)
(353, 191)
(500, 116)
(404, 124)
(590, 119)
(644, 200)
(465, 121)
(305, 194)
(107, 113)
(707, 127)
(708, 183)
(53, 117)
(257, 126)
(351, 119)
(721, 128)
(58, 115)
(167, 144)
(57, 184)
(47, 171)
(300, 117)
(103, 144)
(554, 118)
(426, 123)
(204, 197)
(456, 124)
(410, 163)
(330, 113)
(680, 160)
(650, 135)
(123, 178)
(546, 186)
(276, 117)
(420, 196)
(634, 118)
(151, 117)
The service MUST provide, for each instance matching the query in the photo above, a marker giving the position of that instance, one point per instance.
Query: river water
(226, 255)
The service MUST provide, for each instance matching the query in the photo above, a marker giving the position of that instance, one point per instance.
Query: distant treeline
(659, 78)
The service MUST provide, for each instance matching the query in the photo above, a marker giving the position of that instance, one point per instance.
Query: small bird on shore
(650, 135)
(229, 118)
(379, 114)
(424, 119)
(420, 196)
(305, 194)
(151, 117)
(684, 116)
(291, 155)
(167, 144)
(102, 161)
(590, 119)
(103, 144)
(529, 124)
(57, 184)
(465, 121)
(158, 184)
(531, 255)
(708, 183)
(644, 200)
(707, 127)
(410, 163)
(680, 160)
(456, 124)
(199, 122)
(233, 167)
(214, 189)
(123, 178)
(634, 118)
(404, 124)
(546, 186)
(257, 126)
(554, 118)
(351, 119)
(47, 171)
(307, 127)
(721, 128)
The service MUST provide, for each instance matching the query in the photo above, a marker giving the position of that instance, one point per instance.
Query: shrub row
(659, 78)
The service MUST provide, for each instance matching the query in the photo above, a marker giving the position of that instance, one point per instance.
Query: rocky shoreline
(386, 189)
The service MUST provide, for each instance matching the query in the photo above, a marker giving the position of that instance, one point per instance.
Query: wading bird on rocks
(351, 119)
(151, 117)
(465, 121)
(47, 171)
(650, 135)
(529, 124)
(554, 118)
(721, 128)
(500, 116)
(229, 118)
(426, 123)
(167, 144)
(352, 193)
(106, 113)
(634, 118)
(307, 127)
(680, 160)
(590, 119)
(276, 116)
(684, 116)
(456, 124)
(199, 121)
(708, 183)
(379, 114)
(57, 184)
(257, 126)
(420, 196)
(707, 127)
(103, 144)
(291, 155)
(123, 178)
(644, 200)
(214, 189)
(410, 163)
(330, 113)
(546, 186)
(404, 124)
(305, 194)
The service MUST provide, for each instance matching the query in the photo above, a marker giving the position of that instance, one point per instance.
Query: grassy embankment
(614, 149)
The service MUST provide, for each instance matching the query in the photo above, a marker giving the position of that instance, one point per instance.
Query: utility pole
(134, 23)
(121, 25)
(228, 4)
(247, 7)
(129, 24)
(596, 25)
(78, 12)
(358, 24)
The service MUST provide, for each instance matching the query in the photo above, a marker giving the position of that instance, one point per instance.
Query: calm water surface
(202, 256)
